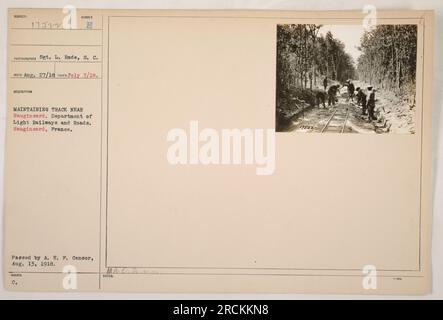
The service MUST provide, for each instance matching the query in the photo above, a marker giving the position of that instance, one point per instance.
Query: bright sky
(349, 34)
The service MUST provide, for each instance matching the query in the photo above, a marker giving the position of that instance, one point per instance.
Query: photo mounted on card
(346, 79)
(219, 151)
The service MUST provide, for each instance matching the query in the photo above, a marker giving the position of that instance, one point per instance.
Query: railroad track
(337, 121)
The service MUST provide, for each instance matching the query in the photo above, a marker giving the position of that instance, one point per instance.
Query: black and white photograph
(228, 157)
(346, 78)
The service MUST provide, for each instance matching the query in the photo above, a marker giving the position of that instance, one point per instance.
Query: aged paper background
(327, 240)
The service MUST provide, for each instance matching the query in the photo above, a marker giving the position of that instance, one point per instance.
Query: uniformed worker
(361, 99)
(351, 90)
(332, 95)
(371, 103)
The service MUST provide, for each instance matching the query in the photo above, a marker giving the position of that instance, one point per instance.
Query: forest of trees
(388, 59)
(304, 57)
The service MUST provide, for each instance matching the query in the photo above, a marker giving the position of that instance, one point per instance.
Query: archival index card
(218, 151)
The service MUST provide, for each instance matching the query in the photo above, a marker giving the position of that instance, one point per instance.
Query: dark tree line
(304, 58)
(389, 56)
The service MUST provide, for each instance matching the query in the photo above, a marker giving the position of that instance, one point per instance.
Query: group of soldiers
(361, 95)
(368, 105)
(329, 94)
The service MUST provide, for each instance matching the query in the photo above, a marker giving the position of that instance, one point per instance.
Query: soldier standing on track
(371, 103)
(332, 95)
(351, 90)
(325, 83)
(361, 99)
